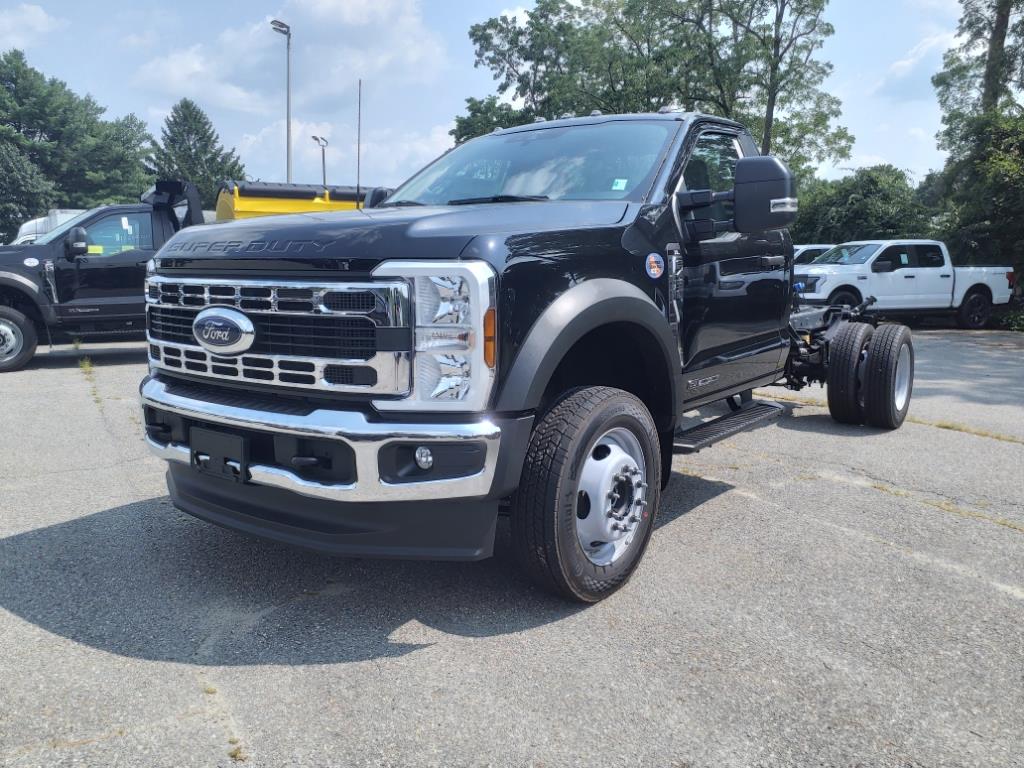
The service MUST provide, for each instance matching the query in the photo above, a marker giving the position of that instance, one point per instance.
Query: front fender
(568, 319)
(26, 287)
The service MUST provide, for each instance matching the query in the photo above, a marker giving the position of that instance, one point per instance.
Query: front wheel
(17, 339)
(584, 511)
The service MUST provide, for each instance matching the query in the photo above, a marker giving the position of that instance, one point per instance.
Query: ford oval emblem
(223, 331)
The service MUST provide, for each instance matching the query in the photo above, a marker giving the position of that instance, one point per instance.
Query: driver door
(107, 283)
(736, 287)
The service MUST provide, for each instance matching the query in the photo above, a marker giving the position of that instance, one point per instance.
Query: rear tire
(975, 311)
(845, 356)
(889, 377)
(569, 506)
(18, 339)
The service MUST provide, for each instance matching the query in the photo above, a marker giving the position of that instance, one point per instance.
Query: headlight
(151, 267)
(454, 335)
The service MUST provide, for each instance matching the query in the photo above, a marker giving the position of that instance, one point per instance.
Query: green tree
(190, 149)
(88, 160)
(750, 60)
(484, 115)
(877, 202)
(979, 91)
(25, 192)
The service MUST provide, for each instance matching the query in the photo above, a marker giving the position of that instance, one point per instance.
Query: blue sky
(417, 66)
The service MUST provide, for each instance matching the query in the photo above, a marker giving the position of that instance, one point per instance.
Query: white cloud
(202, 76)
(21, 26)
(520, 13)
(389, 156)
(941, 41)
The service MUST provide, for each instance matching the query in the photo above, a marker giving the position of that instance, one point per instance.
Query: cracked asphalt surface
(815, 595)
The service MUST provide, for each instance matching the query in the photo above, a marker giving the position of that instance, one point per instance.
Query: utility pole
(284, 29)
(322, 143)
(359, 141)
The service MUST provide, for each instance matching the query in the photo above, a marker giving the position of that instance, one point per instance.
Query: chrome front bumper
(366, 438)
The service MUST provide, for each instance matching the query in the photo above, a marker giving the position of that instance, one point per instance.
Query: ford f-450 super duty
(516, 330)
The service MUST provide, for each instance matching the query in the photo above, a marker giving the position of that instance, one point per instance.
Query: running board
(751, 415)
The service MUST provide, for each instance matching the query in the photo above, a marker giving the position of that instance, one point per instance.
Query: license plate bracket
(221, 454)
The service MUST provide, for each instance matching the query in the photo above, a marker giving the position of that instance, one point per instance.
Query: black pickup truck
(518, 329)
(84, 279)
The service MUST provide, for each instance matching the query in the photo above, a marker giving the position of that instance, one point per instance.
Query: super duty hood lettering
(253, 246)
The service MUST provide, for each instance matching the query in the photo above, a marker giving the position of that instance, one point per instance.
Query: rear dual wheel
(584, 511)
(871, 375)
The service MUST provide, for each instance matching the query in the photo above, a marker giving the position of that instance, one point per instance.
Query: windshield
(848, 254)
(58, 231)
(604, 161)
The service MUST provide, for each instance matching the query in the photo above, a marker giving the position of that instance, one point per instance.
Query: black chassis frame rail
(811, 331)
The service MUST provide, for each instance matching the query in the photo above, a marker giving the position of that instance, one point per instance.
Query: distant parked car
(805, 254)
(907, 277)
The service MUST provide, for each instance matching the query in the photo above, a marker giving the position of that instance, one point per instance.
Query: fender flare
(568, 319)
(25, 286)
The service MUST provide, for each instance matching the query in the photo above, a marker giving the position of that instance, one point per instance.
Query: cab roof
(678, 117)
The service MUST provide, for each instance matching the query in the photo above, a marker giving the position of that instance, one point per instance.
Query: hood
(356, 241)
(823, 269)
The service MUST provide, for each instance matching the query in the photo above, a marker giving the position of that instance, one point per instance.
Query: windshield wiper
(498, 199)
(399, 203)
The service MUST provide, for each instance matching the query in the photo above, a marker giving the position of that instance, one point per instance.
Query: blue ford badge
(223, 331)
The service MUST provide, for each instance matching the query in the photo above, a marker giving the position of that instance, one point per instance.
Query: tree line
(759, 62)
(58, 151)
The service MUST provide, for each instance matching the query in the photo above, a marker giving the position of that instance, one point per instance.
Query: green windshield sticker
(619, 185)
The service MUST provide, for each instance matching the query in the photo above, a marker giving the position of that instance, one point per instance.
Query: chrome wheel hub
(902, 383)
(611, 499)
(11, 339)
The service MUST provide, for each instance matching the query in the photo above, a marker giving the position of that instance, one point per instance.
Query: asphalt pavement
(815, 595)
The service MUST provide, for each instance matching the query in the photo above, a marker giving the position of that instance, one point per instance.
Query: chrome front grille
(341, 337)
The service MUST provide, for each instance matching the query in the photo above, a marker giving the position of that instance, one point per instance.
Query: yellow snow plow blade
(247, 199)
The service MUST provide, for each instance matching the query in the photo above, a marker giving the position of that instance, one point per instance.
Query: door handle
(945, 275)
(772, 261)
(909, 277)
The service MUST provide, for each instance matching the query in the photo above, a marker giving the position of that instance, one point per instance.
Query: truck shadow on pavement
(106, 356)
(147, 581)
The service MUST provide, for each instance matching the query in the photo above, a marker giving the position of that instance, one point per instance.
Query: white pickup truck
(909, 277)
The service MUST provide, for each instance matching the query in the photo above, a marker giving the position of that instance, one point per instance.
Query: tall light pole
(284, 29)
(322, 143)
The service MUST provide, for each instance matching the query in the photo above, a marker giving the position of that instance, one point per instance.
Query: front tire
(18, 339)
(889, 377)
(975, 311)
(584, 511)
(846, 355)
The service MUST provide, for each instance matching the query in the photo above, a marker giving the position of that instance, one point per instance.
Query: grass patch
(890, 490)
(948, 506)
(238, 754)
(954, 427)
(86, 367)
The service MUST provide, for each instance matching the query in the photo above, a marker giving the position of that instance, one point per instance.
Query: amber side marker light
(490, 338)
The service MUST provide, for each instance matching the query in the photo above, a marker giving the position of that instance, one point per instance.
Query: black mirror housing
(882, 266)
(76, 243)
(376, 196)
(764, 195)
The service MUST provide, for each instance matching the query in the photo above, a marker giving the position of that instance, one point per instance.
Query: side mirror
(883, 265)
(76, 243)
(764, 196)
(376, 196)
